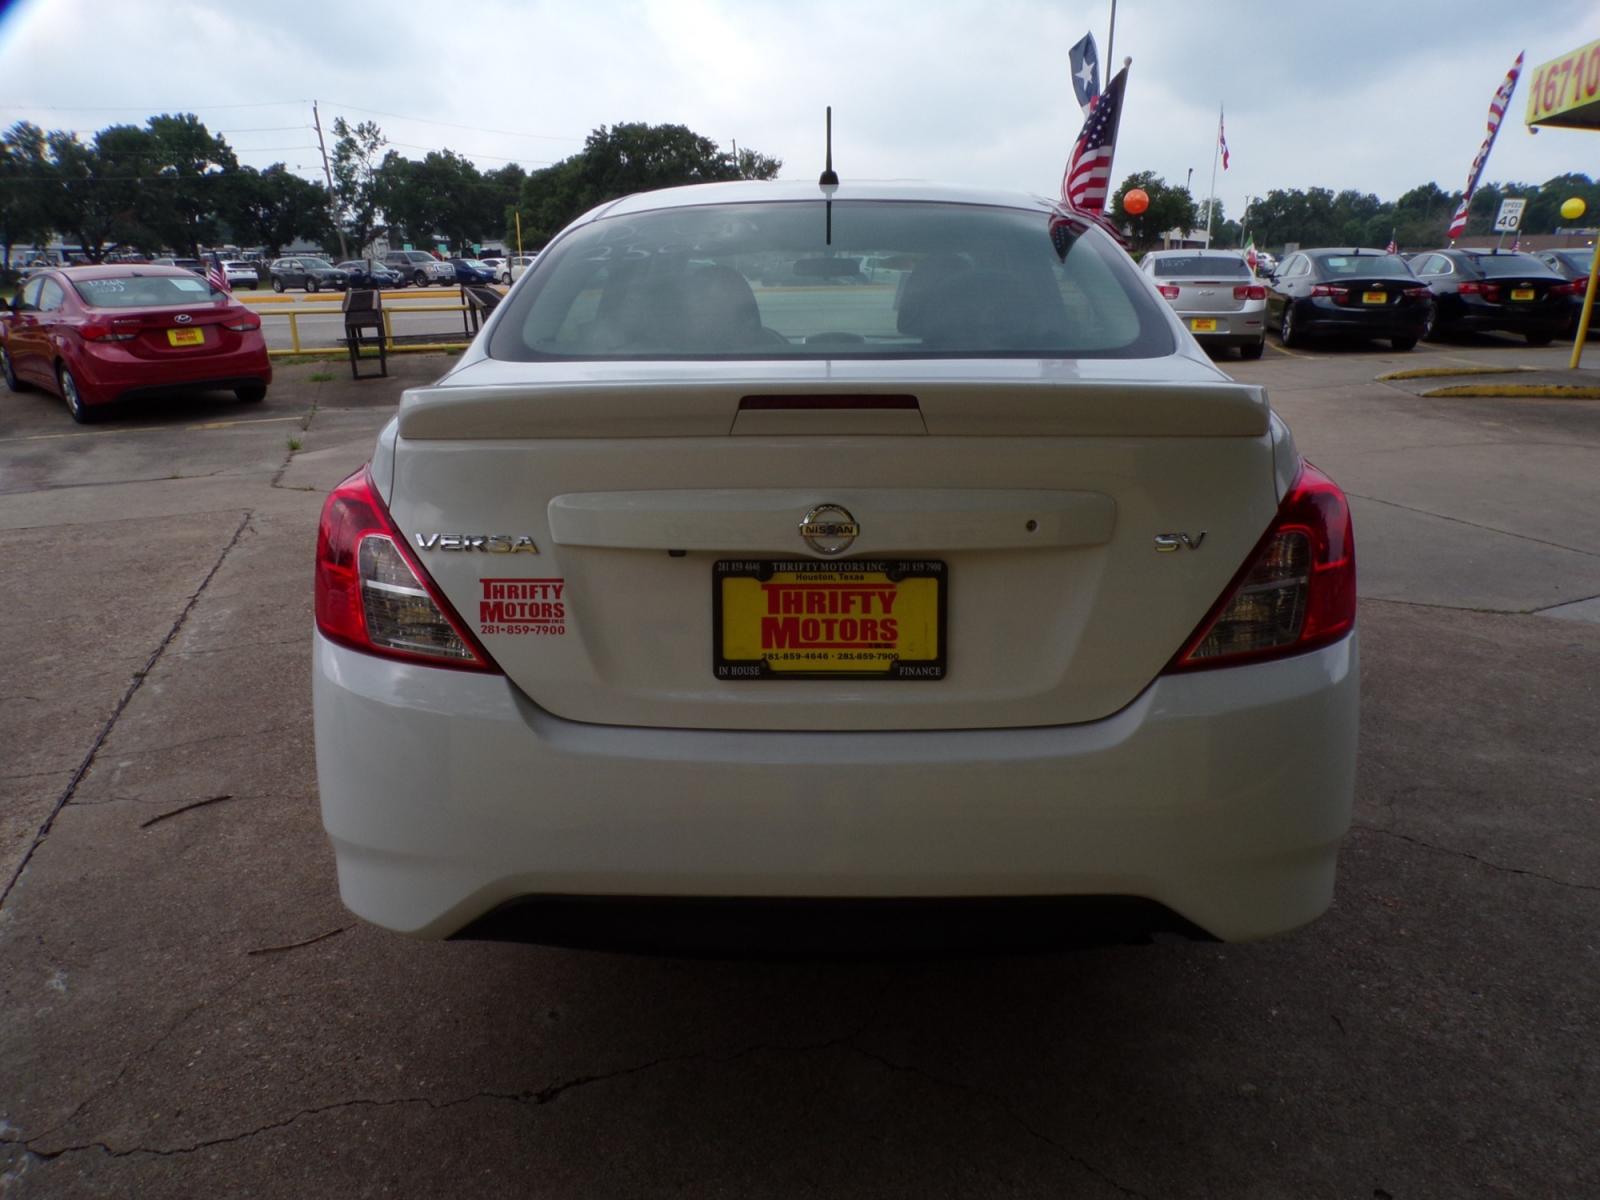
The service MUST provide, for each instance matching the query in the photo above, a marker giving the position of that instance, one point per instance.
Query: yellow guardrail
(388, 329)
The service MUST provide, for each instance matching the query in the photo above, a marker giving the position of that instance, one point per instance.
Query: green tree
(357, 186)
(1170, 208)
(27, 182)
(627, 158)
(272, 208)
(191, 164)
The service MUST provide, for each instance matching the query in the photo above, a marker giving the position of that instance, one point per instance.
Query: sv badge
(1167, 543)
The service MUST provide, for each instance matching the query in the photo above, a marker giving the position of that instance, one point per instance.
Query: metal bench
(363, 311)
(479, 302)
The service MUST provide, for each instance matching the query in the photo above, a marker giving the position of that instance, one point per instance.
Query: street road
(186, 1009)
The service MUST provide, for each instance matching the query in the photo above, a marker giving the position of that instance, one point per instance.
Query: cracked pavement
(188, 1010)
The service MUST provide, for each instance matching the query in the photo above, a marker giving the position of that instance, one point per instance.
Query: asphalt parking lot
(188, 1010)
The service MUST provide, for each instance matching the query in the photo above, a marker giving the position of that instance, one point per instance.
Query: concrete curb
(1448, 372)
(1511, 391)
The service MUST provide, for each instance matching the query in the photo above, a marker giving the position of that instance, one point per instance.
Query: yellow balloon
(1573, 208)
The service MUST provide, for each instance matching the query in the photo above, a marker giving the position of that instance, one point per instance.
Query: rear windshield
(1495, 265)
(145, 291)
(887, 279)
(1364, 264)
(1201, 266)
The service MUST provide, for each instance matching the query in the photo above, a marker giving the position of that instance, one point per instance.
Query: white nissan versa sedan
(973, 583)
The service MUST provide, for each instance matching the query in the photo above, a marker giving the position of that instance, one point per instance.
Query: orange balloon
(1135, 201)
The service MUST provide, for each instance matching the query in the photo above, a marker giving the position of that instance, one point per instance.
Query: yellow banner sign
(1566, 90)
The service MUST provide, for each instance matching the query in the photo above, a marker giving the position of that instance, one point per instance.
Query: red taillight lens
(1416, 293)
(1473, 287)
(1575, 287)
(1297, 591)
(1249, 291)
(242, 322)
(114, 331)
(1171, 291)
(1339, 295)
(372, 595)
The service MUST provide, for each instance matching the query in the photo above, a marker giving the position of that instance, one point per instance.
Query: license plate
(186, 337)
(860, 619)
(1203, 324)
(1522, 293)
(1374, 297)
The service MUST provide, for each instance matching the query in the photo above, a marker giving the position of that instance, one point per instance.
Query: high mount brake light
(372, 595)
(1296, 591)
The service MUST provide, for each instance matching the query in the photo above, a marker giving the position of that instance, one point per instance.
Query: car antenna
(828, 181)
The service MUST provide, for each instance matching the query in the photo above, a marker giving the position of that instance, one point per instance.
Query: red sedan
(99, 335)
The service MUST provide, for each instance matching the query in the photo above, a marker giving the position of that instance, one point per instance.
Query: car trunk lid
(623, 545)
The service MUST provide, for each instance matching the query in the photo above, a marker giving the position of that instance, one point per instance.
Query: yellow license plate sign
(802, 619)
(186, 337)
(1203, 324)
(1522, 293)
(1374, 297)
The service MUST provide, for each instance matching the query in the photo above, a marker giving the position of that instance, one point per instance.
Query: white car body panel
(1222, 794)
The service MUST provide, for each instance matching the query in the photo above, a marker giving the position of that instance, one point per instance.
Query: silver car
(1216, 294)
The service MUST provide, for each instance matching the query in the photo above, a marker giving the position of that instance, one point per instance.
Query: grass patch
(1447, 372)
(321, 377)
(294, 444)
(1511, 391)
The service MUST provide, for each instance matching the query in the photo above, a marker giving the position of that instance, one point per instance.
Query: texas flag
(1085, 73)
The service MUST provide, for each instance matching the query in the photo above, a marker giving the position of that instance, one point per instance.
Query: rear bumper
(1324, 316)
(1222, 795)
(1553, 319)
(107, 374)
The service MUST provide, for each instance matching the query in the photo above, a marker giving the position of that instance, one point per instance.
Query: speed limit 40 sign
(1510, 216)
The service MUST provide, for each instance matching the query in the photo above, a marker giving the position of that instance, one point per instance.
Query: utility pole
(327, 172)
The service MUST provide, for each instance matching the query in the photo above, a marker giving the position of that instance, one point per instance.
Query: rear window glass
(1364, 264)
(888, 279)
(145, 291)
(1199, 266)
(1495, 265)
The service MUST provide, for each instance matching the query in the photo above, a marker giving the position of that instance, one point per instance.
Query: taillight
(1473, 287)
(1296, 591)
(1249, 291)
(1575, 287)
(242, 322)
(1416, 293)
(1339, 295)
(114, 331)
(372, 595)
(1171, 291)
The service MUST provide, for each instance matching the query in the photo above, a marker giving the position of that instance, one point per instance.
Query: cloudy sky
(1378, 96)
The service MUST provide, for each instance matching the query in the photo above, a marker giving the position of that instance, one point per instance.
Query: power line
(545, 137)
(146, 108)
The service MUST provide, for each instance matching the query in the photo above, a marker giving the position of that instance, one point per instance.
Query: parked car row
(1363, 292)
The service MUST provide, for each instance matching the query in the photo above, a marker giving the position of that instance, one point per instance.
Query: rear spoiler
(942, 408)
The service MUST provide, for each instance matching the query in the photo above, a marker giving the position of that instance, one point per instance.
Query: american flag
(1392, 247)
(1085, 65)
(1497, 111)
(216, 276)
(1088, 175)
(1222, 138)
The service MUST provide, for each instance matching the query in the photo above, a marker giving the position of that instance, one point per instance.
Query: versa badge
(488, 543)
